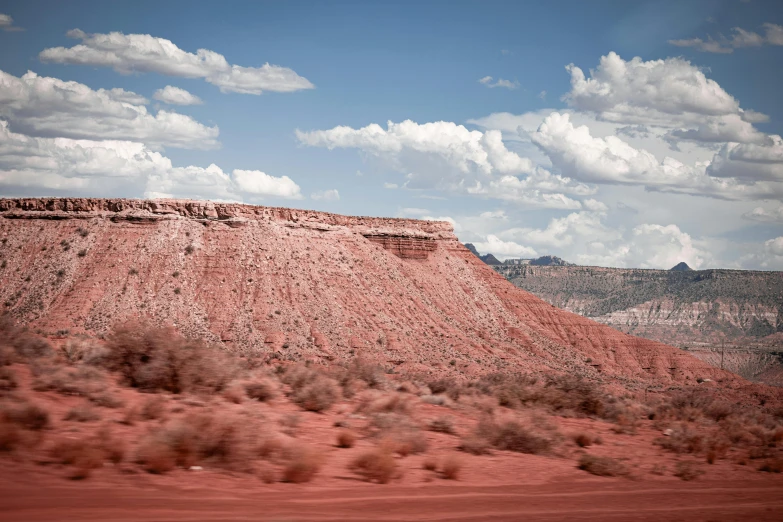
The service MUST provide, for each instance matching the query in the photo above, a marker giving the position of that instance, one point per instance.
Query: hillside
(301, 285)
(676, 307)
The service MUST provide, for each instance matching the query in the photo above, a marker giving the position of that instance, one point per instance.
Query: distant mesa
(541, 261)
(682, 266)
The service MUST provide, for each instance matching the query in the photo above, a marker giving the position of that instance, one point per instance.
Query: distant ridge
(682, 266)
(540, 261)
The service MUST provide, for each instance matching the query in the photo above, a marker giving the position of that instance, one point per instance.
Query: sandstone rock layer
(302, 285)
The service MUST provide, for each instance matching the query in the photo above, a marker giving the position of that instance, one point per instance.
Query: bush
(7, 379)
(442, 425)
(153, 408)
(512, 436)
(80, 380)
(260, 389)
(582, 440)
(151, 358)
(303, 462)
(687, 470)
(602, 466)
(26, 415)
(475, 445)
(377, 465)
(83, 413)
(451, 467)
(82, 454)
(345, 439)
(10, 437)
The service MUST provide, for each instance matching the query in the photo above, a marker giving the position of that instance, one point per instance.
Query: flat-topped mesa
(211, 210)
(296, 285)
(406, 238)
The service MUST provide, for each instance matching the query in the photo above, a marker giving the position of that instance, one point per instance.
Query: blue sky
(477, 81)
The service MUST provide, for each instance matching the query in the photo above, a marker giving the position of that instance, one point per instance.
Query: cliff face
(676, 307)
(301, 285)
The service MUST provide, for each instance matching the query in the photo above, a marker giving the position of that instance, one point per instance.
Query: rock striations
(302, 285)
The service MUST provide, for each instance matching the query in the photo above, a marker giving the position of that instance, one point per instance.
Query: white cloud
(7, 23)
(506, 84)
(750, 161)
(739, 39)
(48, 107)
(768, 257)
(504, 249)
(390, 186)
(762, 215)
(542, 95)
(121, 168)
(656, 246)
(261, 184)
(135, 53)
(326, 195)
(613, 161)
(663, 92)
(176, 96)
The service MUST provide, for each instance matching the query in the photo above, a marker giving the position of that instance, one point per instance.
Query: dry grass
(260, 389)
(154, 408)
(375, 465)
(8, 379)
(475, 445)
(583, 440)
(27, 415)
(602, 466)
(80, 380)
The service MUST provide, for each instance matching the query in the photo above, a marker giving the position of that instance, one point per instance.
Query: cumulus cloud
(506, 84)
(623, 91)
(750, 161)
(261, 184)
(7, 23)
(121, 168)
(611, 160)
(740, 38)
(763, 215)
(768, 257)
(176, 96)
(48, 107)
(326, 195)
(139, 53)
(504, 249)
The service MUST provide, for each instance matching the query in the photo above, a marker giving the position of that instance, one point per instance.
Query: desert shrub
(682, 440)
(687, 470)
(451, 467)
(430, 464)
(8, 380)
(345, 439)
(83, 413)
(80, 380)
(574, 394)
(158, 359)
(234, 392)
(10, 435)
(153, 408)
(106, 399)
(437, 400)
(719, 410)
(363, 370)
(83, 455)
(475, 445)
(772, 466)
(302, 464)
(26, 414)
(377, 465)
(373, 401)
(270, 446)
(29, 346)
(512, 436)
(260, 389)
(445, 385)
(83, 350)
(399, 433)
(582, 440)
(442, 425)
(311, 390)
(222, 439)
(602, 466)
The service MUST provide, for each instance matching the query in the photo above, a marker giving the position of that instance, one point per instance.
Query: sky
(623, 134)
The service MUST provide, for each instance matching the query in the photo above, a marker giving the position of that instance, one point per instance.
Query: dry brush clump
(511, 435)
(151, 358)
(310, 389)
(302, 463)
(375, 465)
(602, 466)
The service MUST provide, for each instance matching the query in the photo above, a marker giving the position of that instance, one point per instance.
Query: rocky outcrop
(302, 285)
(678, 307)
